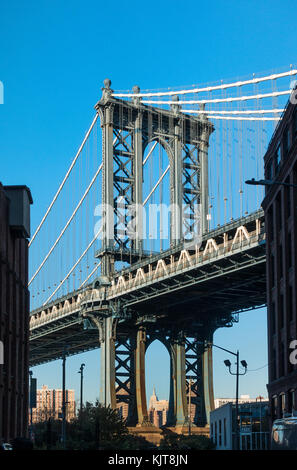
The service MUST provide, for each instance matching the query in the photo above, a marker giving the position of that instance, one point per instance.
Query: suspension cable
(222, 100)
(67, 224)
(209, 88)
(64, 180)
(74, 266)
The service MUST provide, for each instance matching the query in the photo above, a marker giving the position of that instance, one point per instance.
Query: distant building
(253, 421)
(280, 207)
(243, 399)
(158, 410)
(49, 404)
(14, 310)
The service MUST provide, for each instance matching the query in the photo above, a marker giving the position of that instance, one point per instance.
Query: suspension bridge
(152, 234)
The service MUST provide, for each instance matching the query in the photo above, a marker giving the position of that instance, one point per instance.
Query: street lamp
(64, 354)
(81, 372)
(269, 183)
(237, 373)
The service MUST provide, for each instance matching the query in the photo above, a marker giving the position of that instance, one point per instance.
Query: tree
(181, 442)
(96, 427)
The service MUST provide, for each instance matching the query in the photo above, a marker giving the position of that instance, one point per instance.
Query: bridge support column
(177, 413)
(208, 382)
(199, 372)
(143, 419)
(107, 371)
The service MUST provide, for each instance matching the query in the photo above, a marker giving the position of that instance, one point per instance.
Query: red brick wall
(14, 328)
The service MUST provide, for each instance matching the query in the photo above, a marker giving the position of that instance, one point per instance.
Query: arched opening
(157, 367)
(156, 197)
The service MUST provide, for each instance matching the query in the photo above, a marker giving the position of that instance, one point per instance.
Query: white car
(6, 446)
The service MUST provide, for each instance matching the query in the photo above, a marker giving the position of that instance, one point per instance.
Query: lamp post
(189, 411)
(237, 373)
(81, 372)
(64, 398)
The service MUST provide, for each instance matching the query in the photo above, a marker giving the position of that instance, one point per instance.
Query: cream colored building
(158, 410)
(49, 404)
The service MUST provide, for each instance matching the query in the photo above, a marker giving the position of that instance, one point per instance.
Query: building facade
(14, 310)
(253, 422)
(243, 399)
(158, 410)
(49, 404)
(280, 207)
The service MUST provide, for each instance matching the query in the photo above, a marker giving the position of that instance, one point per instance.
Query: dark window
(286, 142)
(274, 408)
(272, 317)
(269, 170)
(290, 260)
(270, 224)
(277, 159)
(290, 401)
(290, 303)
(272, 270)
(273, 365)
(281, 311)
(220, 432)
(281, 260)
(295, 124)
(281, 360)
(225, 433)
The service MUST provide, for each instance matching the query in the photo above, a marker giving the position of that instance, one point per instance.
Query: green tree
(97, 427)
(181, 442)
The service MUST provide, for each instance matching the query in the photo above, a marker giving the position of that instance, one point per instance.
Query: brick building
(14, 310)
(280, 206)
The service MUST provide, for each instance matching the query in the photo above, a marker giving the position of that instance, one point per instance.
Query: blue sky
(53, 58)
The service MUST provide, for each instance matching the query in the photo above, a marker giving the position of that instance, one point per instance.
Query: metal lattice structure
(179, 295)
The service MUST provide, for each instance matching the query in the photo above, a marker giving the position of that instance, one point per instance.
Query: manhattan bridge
(104, 274)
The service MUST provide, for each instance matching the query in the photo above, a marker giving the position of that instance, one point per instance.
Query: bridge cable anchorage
(222, 100)
(74, 266)
(65, 179)
(67, 224)
(207, 89)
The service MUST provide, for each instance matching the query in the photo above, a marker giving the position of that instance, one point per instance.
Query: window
(220, 433)
(290, 303)
(280, 261)
(269, 170)
(295, 124)
(272, 317)
(290, 401)
(281, 311)
(225, 433)
(273, 365)
(281, 360)
(290, 250)
(272, 270)
(277, 159)
(274, 407)
(286, 142)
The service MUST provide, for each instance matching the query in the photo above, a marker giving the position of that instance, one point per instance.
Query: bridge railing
(186, 260)
(151, 273)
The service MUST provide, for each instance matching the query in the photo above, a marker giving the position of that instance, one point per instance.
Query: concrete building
(49, 404)
(14, 310)
(280, 207)
(253, 426)
(243, 399)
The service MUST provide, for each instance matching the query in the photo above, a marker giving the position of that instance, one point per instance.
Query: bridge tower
(127, 129)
